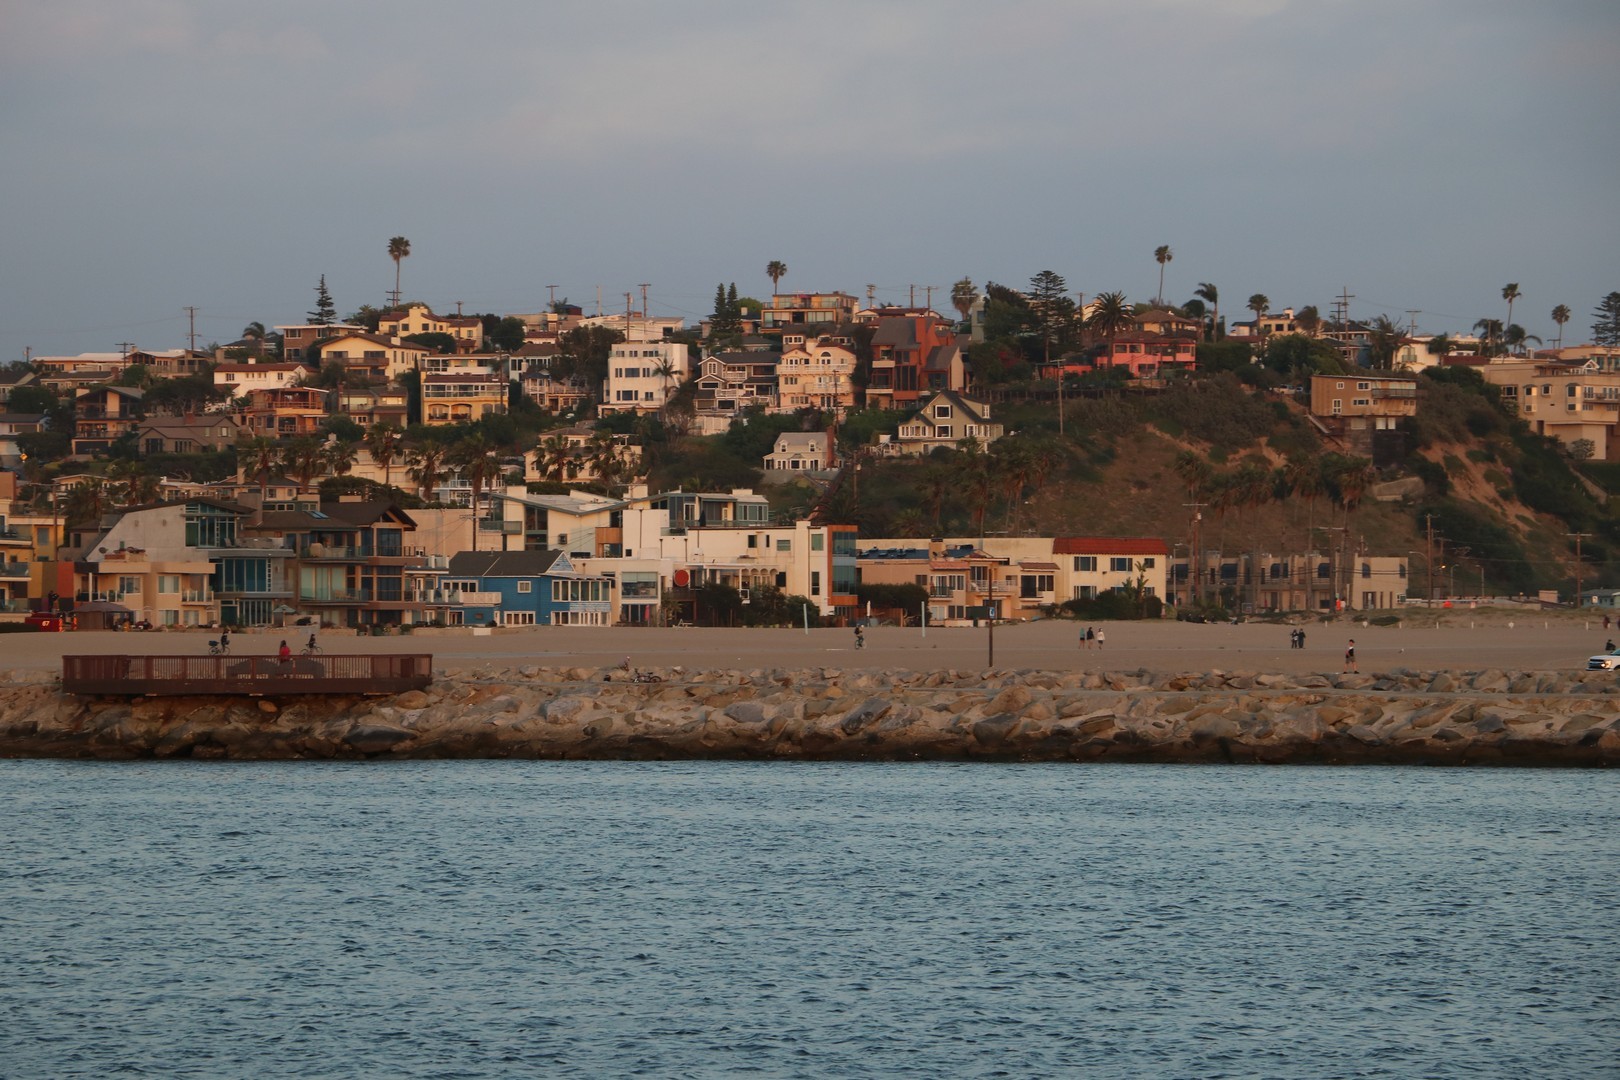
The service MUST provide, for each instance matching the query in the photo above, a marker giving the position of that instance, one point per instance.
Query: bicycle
(311, 650)
(216, 648)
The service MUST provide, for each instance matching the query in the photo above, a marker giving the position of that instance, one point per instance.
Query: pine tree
(1606, 327)
(325, 313)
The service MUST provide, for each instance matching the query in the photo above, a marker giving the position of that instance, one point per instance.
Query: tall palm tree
(1510, 293)
(480, 465)
(426, 463)
(665, 369)
(963, 294)
(1211, 296)
(399, 249)
(383, 441)
(1194, 472)
(1162, 254)
(1110, 313)
(1490, 336)
(551, 458)
(1259, 303)
(937, 483)
(1560, 315)
(776, 270)
(253, 330)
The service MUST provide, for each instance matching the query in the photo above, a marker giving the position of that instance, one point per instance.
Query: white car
(1607, 661)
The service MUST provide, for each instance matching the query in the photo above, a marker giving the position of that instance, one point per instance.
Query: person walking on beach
(1083, 643)
(860, 637)
(1091, 636)
(1350, 656)
(1100, 639)
(284, 654)
(1302, 637)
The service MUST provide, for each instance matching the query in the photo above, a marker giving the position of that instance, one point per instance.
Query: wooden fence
(249, 675)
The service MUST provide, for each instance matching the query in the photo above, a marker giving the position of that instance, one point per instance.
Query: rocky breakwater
(1400, 717)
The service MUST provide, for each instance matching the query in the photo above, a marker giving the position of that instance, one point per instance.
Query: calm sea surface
(492, 919)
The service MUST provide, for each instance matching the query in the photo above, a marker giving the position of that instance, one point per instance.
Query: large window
(209, 526)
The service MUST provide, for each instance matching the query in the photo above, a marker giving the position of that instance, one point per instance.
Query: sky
(224, 154)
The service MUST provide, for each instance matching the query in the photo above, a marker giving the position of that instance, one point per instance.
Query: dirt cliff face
(1400, 717)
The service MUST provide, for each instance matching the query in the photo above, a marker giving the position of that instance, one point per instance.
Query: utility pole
(1345, 296)
(1428, 561)
(871, 296)
(1411, 321)
(1195, 568)
(552, 303)
(1578, 537)
(627, 316)
(930, 289)
(644, 286)
(191, 314)
(458, 309)
(911, 302)
(124, 347)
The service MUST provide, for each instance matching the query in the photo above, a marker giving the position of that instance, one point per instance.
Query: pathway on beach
(1560, 642)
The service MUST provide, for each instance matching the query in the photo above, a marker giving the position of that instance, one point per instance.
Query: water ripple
(481, 919)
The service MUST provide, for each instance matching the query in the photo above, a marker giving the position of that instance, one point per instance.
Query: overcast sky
(224, 154)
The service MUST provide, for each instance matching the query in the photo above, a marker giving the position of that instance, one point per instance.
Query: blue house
(524, 588)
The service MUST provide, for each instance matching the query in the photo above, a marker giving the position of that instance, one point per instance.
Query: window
(168, 584)
(1363, 386)
(1360, 402)
(1120, 564)
(1338, 406)
(784, 545)
(815, 583)
(943, 431)
(1148, 563)
(942, 412)
(525, 586)
(1085, 563)
(127, 585)
(518, 618)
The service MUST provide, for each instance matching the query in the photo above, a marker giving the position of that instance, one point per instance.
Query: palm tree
(480, 464)
(341, 456)
(399, 249)
(1110, 314)
(262, 456)
(963, 294)
(1560, 315)
(1490, 336)
(1439, 345)
(254, 331)
(383, 441)
(551, 458)
(1384, 338)
(1510, 293)
(426, 464)
(304, 459)
(1162, 254)
(1309, 320)
(1259, 303)
(776, 270)
(937, 483)
(665, 369)
(1211, 296)
(1514, 337)
(84, 505)
(1194, 472)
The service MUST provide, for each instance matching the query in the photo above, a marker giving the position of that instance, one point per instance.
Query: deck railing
(250, 675)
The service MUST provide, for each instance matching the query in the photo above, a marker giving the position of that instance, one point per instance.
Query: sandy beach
(1463, 641)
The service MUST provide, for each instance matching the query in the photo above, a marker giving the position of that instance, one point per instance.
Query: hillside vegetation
(1502, 502)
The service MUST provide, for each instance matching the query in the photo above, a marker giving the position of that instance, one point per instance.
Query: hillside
(1502, 502)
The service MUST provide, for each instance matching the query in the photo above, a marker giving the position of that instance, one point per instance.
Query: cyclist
(224, 641)
(312, 647)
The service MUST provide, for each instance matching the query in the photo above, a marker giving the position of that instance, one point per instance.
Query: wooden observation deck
(254, 676)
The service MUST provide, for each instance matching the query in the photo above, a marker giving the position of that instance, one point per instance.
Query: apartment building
(643, 375)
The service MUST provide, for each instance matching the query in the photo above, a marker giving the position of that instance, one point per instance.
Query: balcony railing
(14, 570)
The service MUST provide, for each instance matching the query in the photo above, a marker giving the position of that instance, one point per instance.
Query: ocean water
(496, 919)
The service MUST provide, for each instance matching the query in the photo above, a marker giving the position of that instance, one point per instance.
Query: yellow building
(468, 330)
(460, 398)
